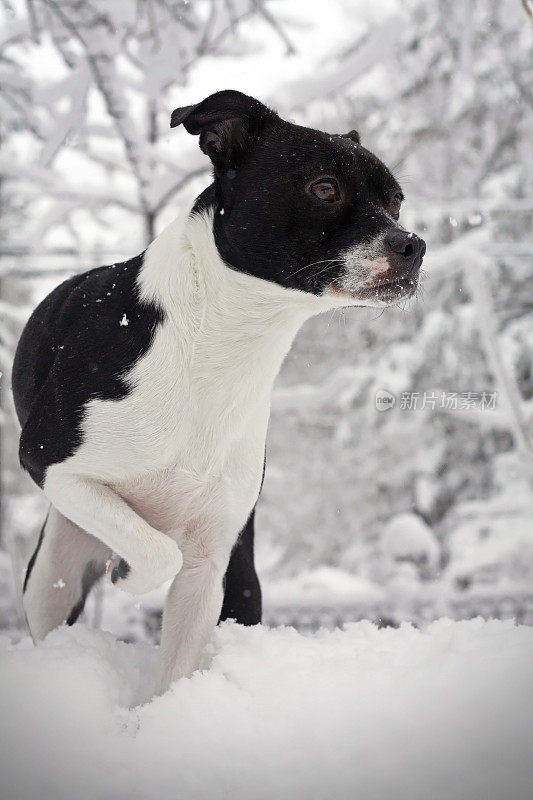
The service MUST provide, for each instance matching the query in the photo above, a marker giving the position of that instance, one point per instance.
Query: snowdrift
(358, 713)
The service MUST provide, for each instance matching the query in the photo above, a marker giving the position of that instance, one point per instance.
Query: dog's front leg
(149, 557)
(192, 609)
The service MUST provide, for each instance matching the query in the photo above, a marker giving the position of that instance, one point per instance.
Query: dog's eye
(395, 205)
(328, 191)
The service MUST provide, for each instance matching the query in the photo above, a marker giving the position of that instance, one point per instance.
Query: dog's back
(36, 349)
(77, 345)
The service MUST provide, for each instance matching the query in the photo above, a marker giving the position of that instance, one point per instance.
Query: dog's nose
(408, 246)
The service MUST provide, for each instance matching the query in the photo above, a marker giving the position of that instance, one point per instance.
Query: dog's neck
(225, 319)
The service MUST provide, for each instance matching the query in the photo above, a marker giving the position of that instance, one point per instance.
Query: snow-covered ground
(443, 714)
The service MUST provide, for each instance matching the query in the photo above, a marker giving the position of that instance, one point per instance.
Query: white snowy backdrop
(415, 512)
(410, 513)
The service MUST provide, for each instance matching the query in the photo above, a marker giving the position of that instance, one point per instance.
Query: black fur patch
(31, 562)
(242, 591)
(75, 349)
(91, 574)
(274, 228)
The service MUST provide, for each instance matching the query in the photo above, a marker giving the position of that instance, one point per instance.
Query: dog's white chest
(201, 462)
(185, 447)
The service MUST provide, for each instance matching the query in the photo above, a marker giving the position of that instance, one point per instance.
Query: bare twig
(202, 47)
(275, 25)
(152, 20)
(161, 203)
(32, 21)
(101, 67)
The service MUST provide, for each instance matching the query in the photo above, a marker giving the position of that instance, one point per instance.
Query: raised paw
(151, 573)
(117, 568)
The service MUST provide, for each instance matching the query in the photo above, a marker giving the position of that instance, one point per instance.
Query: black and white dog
(143, 388)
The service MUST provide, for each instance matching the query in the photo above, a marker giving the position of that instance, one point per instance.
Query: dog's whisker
(323, 270)
(310, 266)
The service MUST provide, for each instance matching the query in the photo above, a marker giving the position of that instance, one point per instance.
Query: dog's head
(305, 209)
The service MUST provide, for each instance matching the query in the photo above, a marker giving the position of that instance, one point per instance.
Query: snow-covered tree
(92, 105)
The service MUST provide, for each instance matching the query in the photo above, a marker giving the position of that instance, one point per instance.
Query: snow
(361, 712)
(406, 536)
(328, 585)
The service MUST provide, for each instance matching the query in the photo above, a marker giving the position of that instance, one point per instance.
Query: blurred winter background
(409, 509)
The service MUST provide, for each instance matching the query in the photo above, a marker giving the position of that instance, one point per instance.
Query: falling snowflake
(124, 320)
(60, 584)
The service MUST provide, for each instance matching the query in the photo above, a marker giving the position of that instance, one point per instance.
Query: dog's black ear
(227, 123)
(353, 135)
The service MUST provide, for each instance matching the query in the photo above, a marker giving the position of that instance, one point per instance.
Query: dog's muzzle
(403, 255)
(382, 271)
